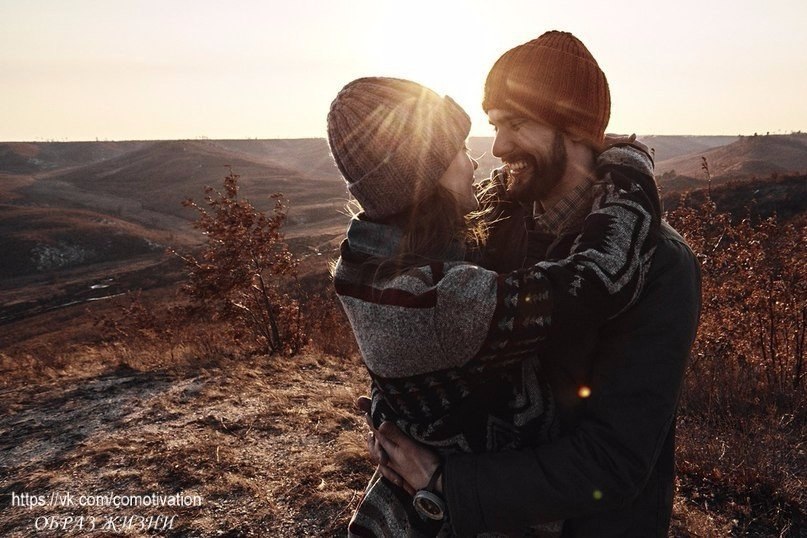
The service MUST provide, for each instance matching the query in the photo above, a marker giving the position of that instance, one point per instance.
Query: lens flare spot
(584, 392)
(597, 495)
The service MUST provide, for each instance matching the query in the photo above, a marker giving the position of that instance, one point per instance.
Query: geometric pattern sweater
(432, 337)
(454, 350)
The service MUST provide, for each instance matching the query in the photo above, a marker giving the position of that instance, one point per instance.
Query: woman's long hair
(433, 227)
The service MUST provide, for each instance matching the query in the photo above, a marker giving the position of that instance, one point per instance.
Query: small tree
(245, 268)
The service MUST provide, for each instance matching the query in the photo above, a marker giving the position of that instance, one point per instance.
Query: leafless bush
(245, 274)
(749, 354)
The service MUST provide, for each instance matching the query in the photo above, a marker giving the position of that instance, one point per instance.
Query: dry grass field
(272, 446)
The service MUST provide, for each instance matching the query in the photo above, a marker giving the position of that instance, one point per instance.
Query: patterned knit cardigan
(432, 335)
(445, 342)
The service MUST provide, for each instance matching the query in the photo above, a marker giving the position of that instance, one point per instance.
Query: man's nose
(501, 145)
(476, 163)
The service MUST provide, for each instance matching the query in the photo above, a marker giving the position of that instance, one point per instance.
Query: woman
(452, 348)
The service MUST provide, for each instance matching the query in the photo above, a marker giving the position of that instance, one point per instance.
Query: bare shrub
(743, 411)
(245, 271)
(749, 354)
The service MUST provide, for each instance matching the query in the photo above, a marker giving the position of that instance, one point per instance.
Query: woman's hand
(401, 460)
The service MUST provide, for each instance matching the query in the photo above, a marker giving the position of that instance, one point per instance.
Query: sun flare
(438, 51)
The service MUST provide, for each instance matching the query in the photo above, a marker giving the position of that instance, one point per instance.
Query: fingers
(388, 437)
(401, 452)
(612, 139)
(380, 442)
(377, 453)
(392, 435)
(620, 137)
(393, 447)
(641, 146)
(400, 448)
(414, 462)
(379, 456)
(364, 404)
(395, 478)
(371, 448)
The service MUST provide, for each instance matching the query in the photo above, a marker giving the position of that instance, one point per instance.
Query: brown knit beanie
(392, 140)
(555, 80)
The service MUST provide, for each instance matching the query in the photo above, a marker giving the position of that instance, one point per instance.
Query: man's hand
(401, 460)
(612, 139)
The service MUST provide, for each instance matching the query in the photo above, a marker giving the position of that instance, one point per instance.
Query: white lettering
(169, 523)
(41, 523)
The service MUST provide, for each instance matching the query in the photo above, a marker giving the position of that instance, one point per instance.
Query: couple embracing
(526, 336)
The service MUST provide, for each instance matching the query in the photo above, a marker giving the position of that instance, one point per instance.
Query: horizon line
(256, 139)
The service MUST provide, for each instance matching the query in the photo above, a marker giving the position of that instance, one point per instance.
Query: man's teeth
(517, 166)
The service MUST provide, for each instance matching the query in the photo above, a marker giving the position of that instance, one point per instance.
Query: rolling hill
(45, 241)
(308, 156)
(33, 157)
(118, 200)
(668, 147)
(161, 175)
(72, 205)
(747, 157)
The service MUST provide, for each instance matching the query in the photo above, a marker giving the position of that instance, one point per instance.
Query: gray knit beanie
(392, 140)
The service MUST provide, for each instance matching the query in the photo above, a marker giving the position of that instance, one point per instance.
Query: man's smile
(519, 171)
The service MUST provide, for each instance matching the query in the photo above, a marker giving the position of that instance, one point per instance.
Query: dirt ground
(262, 446)
(267, 447)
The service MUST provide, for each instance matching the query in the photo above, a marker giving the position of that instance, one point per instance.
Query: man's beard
(547, 172)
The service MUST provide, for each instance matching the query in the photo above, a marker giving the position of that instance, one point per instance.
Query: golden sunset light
(268, 268)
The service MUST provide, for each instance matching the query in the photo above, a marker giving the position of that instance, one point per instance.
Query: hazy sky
(143, 69)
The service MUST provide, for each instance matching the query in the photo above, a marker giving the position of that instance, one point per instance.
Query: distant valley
(91, 202)
(70, 208)
(82, 221)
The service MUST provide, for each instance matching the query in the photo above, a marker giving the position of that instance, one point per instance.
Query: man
(611, 470)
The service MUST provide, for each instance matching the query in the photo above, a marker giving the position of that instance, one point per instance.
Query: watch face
(429, 505)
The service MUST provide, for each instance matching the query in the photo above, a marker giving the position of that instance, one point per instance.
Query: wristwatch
(427, 502)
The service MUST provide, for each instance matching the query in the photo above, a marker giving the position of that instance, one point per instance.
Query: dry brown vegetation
(272, 443)
(741, 455)
(134, 399)
(273, 447)
(241, 272)
(135, 395)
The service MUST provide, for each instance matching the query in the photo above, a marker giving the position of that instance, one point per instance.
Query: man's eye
(517, 124)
